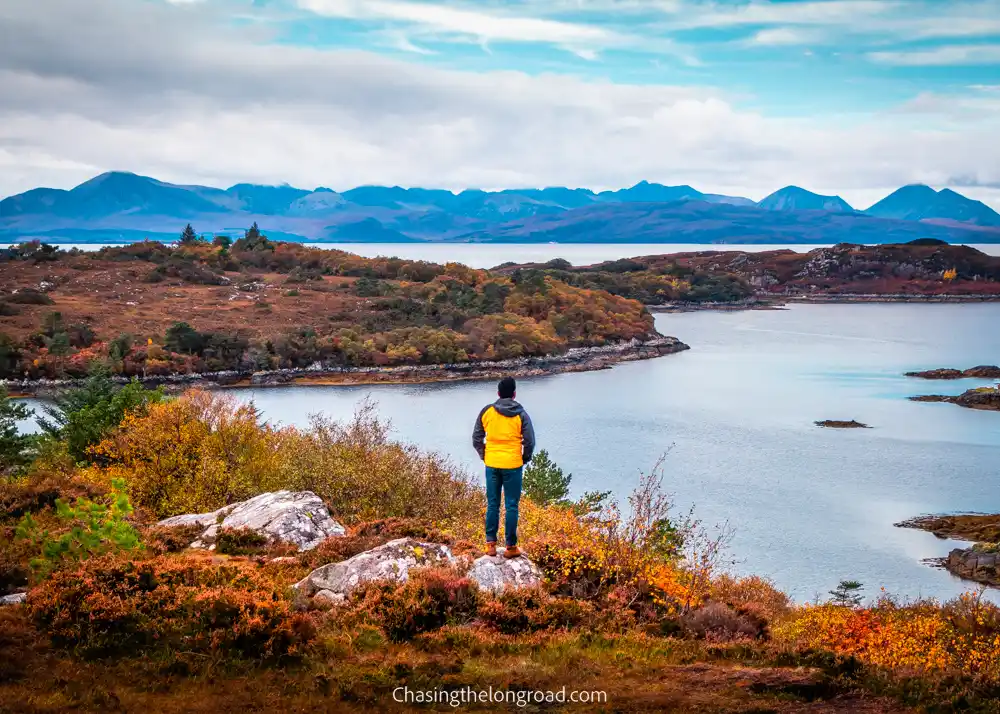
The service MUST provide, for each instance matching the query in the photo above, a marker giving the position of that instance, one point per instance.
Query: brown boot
(491, 550)
(511, 551)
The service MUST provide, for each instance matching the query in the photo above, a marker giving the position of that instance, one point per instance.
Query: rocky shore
(984, 371)
(979, 563)
(579, 359)
(986, 398)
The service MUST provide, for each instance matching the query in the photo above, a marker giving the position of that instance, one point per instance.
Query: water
(488, 255)
(810, 506)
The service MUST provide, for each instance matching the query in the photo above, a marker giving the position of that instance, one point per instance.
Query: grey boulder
(391, 561)
(14, 599)
(297, 517)
(496, 573)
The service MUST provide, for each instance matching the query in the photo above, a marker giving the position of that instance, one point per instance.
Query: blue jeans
(510, 481)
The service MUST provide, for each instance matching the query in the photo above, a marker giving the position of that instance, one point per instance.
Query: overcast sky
(849, 97)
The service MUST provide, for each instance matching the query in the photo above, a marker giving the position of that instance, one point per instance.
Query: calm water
(485, 255)
(811, 506)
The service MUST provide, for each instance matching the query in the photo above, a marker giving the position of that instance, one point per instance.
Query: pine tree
(188, 236)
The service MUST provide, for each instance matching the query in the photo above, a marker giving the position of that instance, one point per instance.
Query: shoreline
(577, 359)
(768, 301)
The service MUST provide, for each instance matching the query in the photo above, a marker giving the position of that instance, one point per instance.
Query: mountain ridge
(122, 203)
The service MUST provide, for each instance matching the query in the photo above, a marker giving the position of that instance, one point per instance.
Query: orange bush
(961, 636)
(430, 599)
(530, 610)
(110, 605)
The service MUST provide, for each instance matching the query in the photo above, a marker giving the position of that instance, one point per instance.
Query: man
(505, 440)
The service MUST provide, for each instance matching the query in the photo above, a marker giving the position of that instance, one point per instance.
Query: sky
(848, 97)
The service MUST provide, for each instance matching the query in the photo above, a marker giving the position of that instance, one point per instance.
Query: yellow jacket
(503, 436)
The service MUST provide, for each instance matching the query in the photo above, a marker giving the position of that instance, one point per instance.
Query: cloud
(188, 98)
(482, 26)
(785, 36)
(940, 56)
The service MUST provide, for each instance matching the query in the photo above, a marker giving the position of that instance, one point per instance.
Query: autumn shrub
(240, 541)
(112, 605)
(524, 610)
(717, 622)
(204, 450)
(194, 454)
(160, 540)
(428, 600)
(364, 475)
(924, 637)
(752, 595)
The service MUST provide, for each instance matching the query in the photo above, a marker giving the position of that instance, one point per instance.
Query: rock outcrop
(297, 517)
(985, 398)
(13, 599)
(974, 564)
(496, 573)
(391, 561)
(985, 371)
(834, 424)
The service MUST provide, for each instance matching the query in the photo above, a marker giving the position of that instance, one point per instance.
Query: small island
(981, 562)
(834, 424)
(985, 371)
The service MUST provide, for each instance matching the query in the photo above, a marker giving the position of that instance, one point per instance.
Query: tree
(847, 594)
(223, 243)
(13, 444)
(84, 416)
(10, 356)
(181, 337)
(544, 482)
(188, 236)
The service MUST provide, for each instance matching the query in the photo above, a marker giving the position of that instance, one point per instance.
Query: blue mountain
(793, 198)
(922, 203)
(119, 204)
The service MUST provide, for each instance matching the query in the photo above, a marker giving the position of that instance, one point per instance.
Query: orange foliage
(111, 604)
(962, 636)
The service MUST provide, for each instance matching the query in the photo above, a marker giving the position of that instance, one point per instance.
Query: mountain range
(119, 206)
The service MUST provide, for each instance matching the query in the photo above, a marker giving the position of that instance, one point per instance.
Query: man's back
(504, 436)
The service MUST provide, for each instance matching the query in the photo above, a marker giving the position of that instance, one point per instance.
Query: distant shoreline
(780, 302)
(579, 359)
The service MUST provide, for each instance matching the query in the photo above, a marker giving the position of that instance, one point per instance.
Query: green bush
(82, 417)
(95, 529)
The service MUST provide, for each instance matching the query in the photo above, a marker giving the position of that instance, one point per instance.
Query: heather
(264, 305)
(636, 598)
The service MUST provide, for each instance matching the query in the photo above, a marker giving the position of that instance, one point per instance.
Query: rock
(297, 517)
(496, 573)
(974, 564)
(391, 561)
(983, 371)
(834, 424)
(14, 599)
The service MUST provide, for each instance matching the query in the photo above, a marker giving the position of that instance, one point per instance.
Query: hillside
(922, 270)
(261, 305)
(119, 206)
